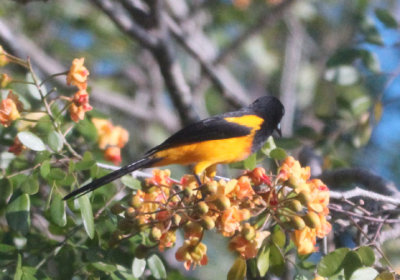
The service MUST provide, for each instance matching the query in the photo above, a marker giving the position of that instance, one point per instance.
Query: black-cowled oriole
(225, 138)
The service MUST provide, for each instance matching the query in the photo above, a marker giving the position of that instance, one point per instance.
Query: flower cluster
(309, 223)
(289, 199)
(111, 139)
(77, 76)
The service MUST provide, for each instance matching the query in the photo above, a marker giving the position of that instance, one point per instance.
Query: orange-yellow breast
(207, 153)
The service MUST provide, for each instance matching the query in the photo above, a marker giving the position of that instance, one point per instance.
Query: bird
(225, 138)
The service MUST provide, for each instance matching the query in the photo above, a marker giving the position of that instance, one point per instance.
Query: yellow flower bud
(201, 208)
(312, 220)
(130, 212)
(294, 205)
(136, 202)
(297, 222)
(188, 192)
(176, 220)
(155, 234)
(209, 188)
(304, 197)
(248, 232)
(207, 222)
(222, 203)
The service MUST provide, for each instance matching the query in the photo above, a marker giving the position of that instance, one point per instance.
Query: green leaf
(5, 248)
(268, 146)
(156, 267)
(278, 154)
(278, 236)
(343, 56)
(31, 141)
(56, 174)
(45, 169)
(18, 213)
(277, 262)
(263, 260)
(138, 267)
(250, 162)
(87, 129)
(86, 163)
(300, 277)
(386, 18)
(366, 255)
(371, 61)
(351, 263)
(365, 273)
(30, 185)
(6, 191)
(57, 210)
(104, 266)
(87, 215)
(332, 263)
(238, 269)
(55, 141)
(131, 182)
(18, 271)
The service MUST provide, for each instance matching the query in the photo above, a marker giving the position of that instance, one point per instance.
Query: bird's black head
(271, 110)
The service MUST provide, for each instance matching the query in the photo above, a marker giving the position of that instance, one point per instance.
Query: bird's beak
(278, 129)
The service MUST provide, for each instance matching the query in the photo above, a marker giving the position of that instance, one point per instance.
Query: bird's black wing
(213, 128)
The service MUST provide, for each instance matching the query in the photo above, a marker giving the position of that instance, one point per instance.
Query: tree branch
(356, 175)
(266, 18)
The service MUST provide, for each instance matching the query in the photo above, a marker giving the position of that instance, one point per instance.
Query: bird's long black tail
(142, 163)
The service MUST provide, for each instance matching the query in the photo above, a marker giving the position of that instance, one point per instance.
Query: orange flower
(243, 188)
(241, 4)
(80, 105)
(192, 252)
(3, 58)
(109, 135)
(4, 80)
(9, 109)
(305, 240)
(319, 196)
(230, 220)
(324, 228)
(317, 277)
(16, 147)
(160, 178)
(167, 240)
(113, 154)
(291, 170)
(258, 176)
(248, 248)
(78, 74)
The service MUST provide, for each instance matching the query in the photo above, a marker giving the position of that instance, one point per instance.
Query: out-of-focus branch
(125, 24)
(290, 73)
(359, 176)
(266, 18)
(235, 95)
(161, 47)
(21, 46)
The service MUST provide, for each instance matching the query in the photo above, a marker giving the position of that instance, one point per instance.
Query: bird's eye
(279, 126)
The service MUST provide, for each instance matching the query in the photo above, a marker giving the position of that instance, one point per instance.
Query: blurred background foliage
(334, 64)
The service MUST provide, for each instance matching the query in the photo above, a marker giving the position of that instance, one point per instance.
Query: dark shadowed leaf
(18, 213)
(332, 263)
(276, 260)
(366, 255)
(238, 269)
(351, 263)
(386, 18)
